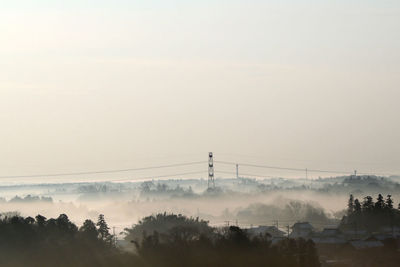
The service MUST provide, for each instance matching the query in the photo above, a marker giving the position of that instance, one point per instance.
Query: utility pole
(306, 174)
(356, 228)
(211, 183)
(276, 224)
(288, 229)
(114, 237)
(391, 224)
(355, 173)
(237, 171)
(227, 223)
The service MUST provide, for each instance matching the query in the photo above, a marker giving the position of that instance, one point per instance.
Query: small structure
(302, 230)
(355, 234)
(329, 236)
(331, 231)
(273, 231)
(385, 236)
(370, 242)
(394, 231)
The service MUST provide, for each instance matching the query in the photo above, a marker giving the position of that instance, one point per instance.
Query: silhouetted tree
(389, 202)
(357, 206)
(231, 246)
(380, 203)
(170, 224)
(54, 242)
(29, 220)
(103, 229)
(368, 204)
(88, 230)
(350, 205)
(372, 217)
(41, 220)
(65, 225)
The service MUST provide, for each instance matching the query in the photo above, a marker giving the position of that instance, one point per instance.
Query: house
(370, 242)
(273, 231)
(301, 230)
(330, 232)
(385, 236)
(329, 236)
(355, 234)
(395, 231)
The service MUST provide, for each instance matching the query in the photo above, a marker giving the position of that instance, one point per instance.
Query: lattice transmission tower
(211, 183)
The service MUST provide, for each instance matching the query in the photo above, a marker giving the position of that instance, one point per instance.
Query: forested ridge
(168, 239)
(160, 240)
(371, 215)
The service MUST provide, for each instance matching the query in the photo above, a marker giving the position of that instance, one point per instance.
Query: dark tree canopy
(164, 223)
(371, 216)
(182, 242)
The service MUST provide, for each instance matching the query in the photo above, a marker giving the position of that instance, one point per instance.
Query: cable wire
(156, 176)
(281, 168)
(105, 171)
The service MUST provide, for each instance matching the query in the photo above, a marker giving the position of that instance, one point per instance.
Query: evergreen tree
(103, 228)
(357, 206)
(380, 203)
(350, 206)
(389, 202)
(368, 204)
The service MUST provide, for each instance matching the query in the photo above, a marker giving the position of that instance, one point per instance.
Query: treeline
(161, 189)
(167, 240)
(175, 240)
(293, 211)
(371, 215)
(164, 224)
(55, 242)
(27, 199)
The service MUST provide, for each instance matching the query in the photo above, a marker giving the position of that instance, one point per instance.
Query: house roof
(363, 244)
(329, 240)
(354, 232)
(331, 232)
(303, 225)
(272, 230)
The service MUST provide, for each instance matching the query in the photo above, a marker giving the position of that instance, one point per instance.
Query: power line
(258, 175)
(247, 174)
(105, 171)
(297, 169)
(259, 166)
(157, 176)
(192, 163)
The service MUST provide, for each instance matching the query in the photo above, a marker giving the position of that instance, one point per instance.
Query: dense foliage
(292, 212)
(165, 224)
(53, 242)
(232, 247)
(371, 216)
(175, 240)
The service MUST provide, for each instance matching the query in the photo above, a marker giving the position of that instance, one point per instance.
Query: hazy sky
(87, 85)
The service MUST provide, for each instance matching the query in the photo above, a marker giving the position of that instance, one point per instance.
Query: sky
(96, 85)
